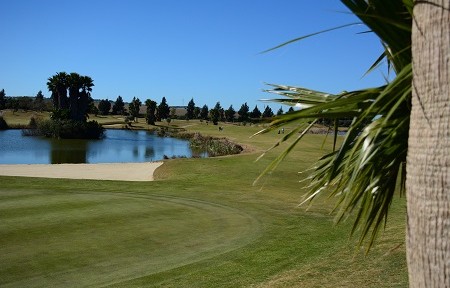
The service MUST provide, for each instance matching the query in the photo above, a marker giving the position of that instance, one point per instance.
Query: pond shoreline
(119, 146)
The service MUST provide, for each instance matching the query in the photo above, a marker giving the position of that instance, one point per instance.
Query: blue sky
(202, 49)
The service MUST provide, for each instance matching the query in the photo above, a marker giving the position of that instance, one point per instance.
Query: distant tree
(280, 111)
(190, 110)
(134, 107)
(104, 106)
(2, 99)
(291, 109)
(151, 110)
(25, 103)
(243, 112)
(119, 106)
(268, 113)
(13, 104)
(39, 103)
(256, 113)
(197, 112)
(173, 113)
(204, 112)
(229, 114)
(163, 111)
(215, 113)
(220, 111)
(93, 109)
(39, 96)
(221, 114)
(214, 116)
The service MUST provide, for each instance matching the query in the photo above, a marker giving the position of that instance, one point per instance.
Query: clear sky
(208, 50)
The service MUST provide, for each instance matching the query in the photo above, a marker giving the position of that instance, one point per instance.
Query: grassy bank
(201, 224)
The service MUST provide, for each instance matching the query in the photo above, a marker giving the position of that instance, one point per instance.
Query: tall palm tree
(369, 167)
(78, 88)
(84, 97)
(74, 83)
(51, 86)
(58, 84)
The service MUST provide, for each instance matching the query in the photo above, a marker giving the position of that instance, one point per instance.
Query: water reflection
(117, 146)
(68, 151)
(149, 152)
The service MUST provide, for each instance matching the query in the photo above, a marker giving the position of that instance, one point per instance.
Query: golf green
(84, 238)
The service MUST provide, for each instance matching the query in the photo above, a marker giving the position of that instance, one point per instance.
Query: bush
(3, 124)
(60, 114)
(33, 123)
(70, 129)
(32, 128)
(214, 146)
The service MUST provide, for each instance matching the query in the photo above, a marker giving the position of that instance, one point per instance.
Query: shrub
(60, 114)
(70, 129)
(31, 129)
(3, 124)
(33, 123)
(214, 146)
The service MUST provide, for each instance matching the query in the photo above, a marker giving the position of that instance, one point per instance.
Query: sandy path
(104, 171)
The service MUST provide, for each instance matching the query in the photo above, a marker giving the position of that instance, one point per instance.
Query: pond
(116, 147)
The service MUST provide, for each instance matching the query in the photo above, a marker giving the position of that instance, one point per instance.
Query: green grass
(201, 224)
(20, 118)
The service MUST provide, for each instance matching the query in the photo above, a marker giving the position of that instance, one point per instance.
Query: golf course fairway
(113, 237)
(201, 223)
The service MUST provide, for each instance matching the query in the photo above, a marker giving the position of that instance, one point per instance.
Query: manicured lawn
(201, 224)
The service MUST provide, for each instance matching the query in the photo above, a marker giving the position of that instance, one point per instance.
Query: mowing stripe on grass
(84, 238)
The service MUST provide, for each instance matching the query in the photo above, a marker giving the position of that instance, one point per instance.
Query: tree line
(163, 111)
(71, 99)
(37, 103)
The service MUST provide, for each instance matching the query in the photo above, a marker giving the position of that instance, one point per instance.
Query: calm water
(117, 146)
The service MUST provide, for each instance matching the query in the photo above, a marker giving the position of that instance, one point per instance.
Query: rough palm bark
(428, 168)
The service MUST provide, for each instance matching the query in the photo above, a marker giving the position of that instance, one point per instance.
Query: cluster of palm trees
(70, 95)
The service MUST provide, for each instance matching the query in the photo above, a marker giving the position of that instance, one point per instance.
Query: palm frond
(368, 168)
(310, 35)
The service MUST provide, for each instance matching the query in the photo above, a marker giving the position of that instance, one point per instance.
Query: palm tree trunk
(62, 98)
(83, 103)
(73, 103)
(428, 162)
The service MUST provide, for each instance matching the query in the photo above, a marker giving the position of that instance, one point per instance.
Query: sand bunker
(103, 171)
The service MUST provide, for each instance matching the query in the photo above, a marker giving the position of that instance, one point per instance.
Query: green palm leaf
(310, 35)
(368, 168)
